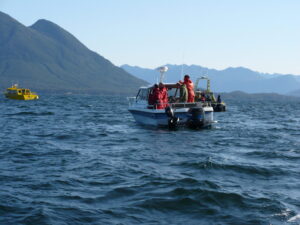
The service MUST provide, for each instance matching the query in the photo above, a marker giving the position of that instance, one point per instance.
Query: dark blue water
(83, 160)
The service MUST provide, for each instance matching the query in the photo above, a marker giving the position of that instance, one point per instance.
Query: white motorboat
(174, 113)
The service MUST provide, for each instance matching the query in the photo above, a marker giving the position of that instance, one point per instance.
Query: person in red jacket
(156, 96)
(162, 97)
(153, 96)
(190, 88)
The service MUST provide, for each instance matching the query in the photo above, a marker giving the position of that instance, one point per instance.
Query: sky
(263, 35)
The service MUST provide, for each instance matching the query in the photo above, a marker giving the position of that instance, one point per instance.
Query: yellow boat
(14, 92)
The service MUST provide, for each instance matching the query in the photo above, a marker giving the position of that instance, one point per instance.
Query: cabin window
(173, 92)
(19, 91)
(11, 91)
(143, 94)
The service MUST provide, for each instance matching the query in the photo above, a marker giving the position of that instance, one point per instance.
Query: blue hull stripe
(162, 115)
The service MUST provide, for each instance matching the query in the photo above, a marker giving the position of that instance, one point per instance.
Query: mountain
(266, 97)
(228, 80)
(295, 92)
(46, 57)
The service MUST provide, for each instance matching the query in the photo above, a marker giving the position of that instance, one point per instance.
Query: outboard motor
(219, 107)
(194, 122)
(173, 120)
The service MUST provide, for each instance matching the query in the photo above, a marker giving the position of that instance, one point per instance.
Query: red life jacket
(152, 99)
(162, 98)
(190, 88)
(155, 96)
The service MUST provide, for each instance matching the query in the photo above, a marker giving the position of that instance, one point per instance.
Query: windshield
(12, 91)
(143, 94)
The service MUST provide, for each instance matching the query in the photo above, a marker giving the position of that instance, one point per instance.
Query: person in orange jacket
(190, 88)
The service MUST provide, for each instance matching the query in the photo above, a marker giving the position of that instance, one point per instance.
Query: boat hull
(158, 117)
(22, 97)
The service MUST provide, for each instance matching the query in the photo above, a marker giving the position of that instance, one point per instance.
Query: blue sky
(263, 35)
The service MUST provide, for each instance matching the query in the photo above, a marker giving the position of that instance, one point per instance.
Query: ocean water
(80, 159)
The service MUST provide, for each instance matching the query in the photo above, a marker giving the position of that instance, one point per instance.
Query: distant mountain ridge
(46, 57)
(244, 97)
(228, 80)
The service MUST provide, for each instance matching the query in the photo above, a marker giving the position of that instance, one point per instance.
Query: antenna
(206, 74)
(208, 81)
(162, 71)
(181, 76)
(181, 71)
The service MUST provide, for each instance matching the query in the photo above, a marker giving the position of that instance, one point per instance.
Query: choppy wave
(31, 114)
(83, 160)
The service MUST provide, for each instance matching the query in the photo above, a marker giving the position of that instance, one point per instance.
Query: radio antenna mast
(181, 76)
(162, 71)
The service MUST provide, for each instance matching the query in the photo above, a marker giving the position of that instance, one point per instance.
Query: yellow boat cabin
(14, 92)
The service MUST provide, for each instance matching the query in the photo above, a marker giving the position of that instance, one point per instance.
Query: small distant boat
(14, 92)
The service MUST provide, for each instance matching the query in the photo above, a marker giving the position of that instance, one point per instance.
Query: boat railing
(178, 105)
(131, 100)
(189, 104)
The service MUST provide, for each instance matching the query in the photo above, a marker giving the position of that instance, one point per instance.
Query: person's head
(155, 86)
(161, 85)
(186, 77)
